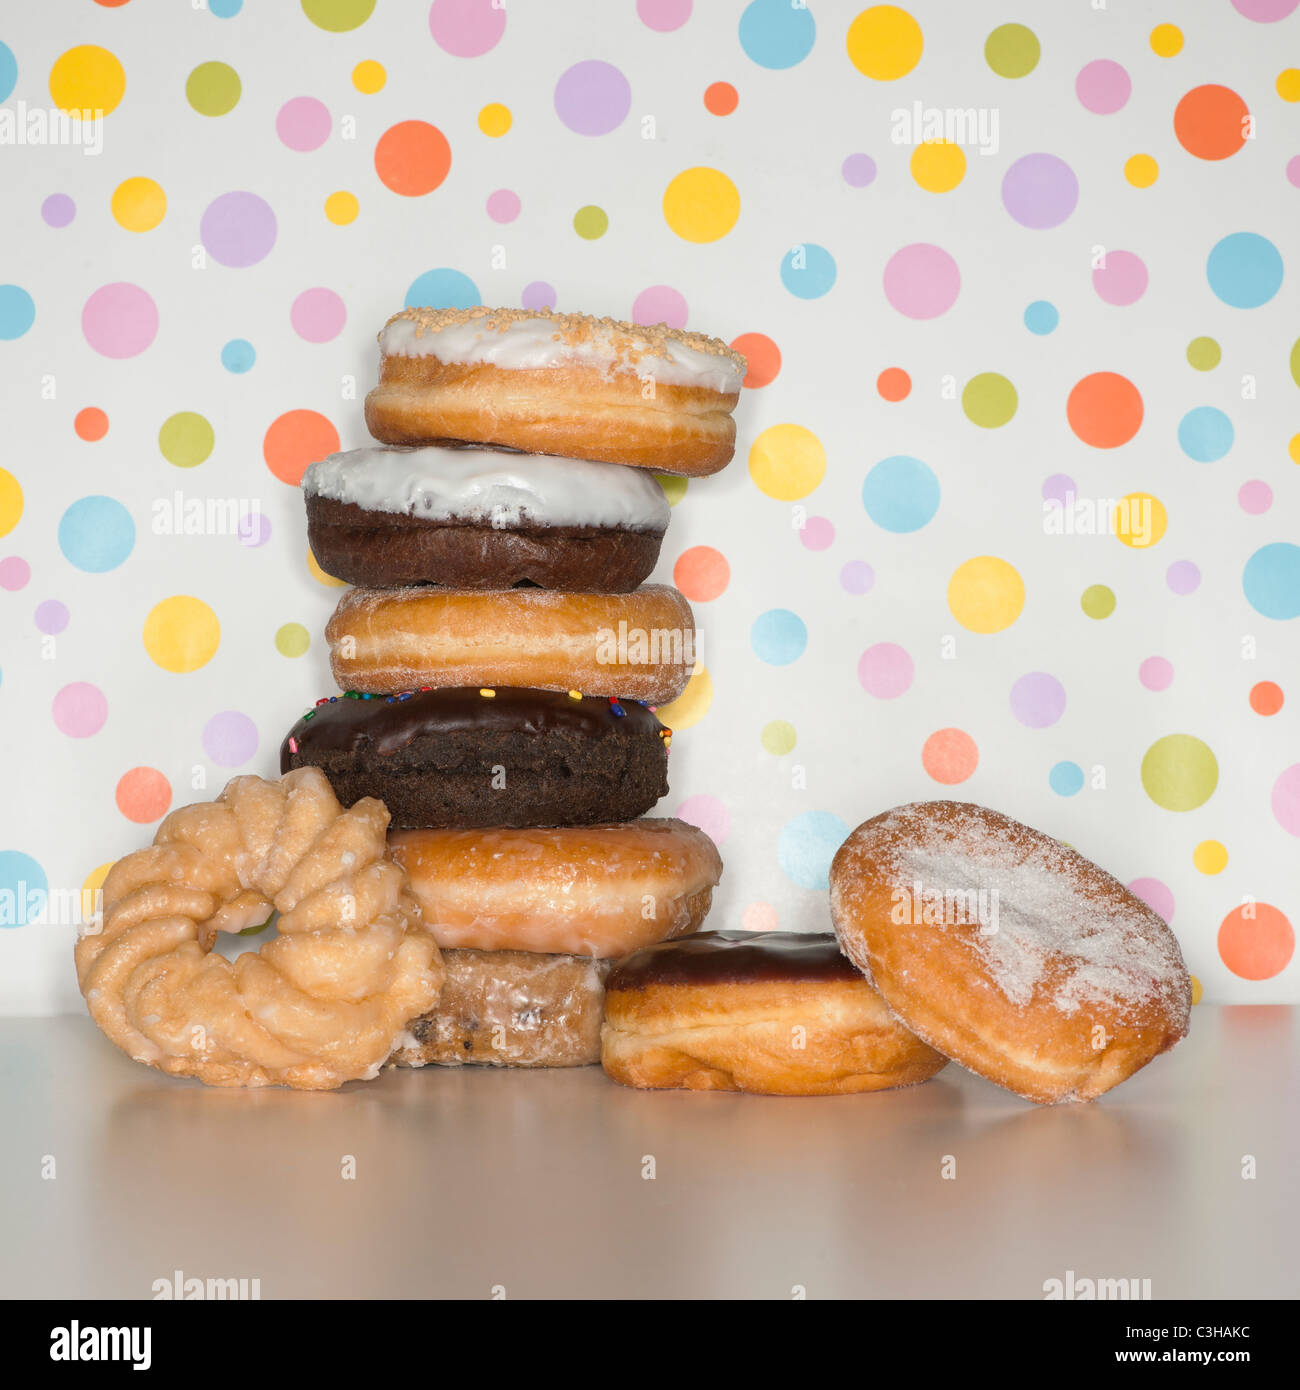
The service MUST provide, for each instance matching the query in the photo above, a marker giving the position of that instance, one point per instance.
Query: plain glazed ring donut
(588, 388)
(779, 1013)
(325, 1002)
(639, 645)
(601, 890)
(1008, 951)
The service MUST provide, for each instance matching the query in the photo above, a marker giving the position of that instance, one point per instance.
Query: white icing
(533, 343)
(493, 486)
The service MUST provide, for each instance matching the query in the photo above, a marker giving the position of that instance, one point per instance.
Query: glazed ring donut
(1008, 951)
(602, 890)
(587, 388)
(325, 1002)
(639, 645)
(780, 1013)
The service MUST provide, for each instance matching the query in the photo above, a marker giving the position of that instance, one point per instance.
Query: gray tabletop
(475, 1183)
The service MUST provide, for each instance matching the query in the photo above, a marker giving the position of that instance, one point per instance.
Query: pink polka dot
(1156, 896)
(663, 16)
(1122, 280)
(79, 710)
(1286, 800)
(818, 533)
(709, 814)
(1103, 87)
(760, 917)
(318, 315)
(660, 304)
(14, 573)
(467, 28)
(1293, 171)
(922, 281)
(119, 320)
(857, 577)
(503, 205)
(885, 670)
(1156, 673)
(303, 124)
(1265, 11)
(1255, 497)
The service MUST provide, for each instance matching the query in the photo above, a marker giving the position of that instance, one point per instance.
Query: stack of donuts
(501, 660)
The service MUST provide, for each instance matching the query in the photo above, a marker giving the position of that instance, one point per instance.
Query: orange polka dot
(295, 439)
(950, 756)
(721, 98)
(91, 424)
(412, 158)
(764, 358)
(1266, 697)
(1210, 122)
(1258, 946)
(701, 573)
(1104, 410)
(143, 795)
(894, 384)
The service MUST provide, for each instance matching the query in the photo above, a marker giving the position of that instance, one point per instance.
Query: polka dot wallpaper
(1015, 512)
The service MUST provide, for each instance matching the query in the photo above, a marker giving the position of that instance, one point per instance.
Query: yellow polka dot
(1166, 40)
(319, 574)
(778, 737)
(787, 462)
(181, 633)
(87, 78)
(701, 204)
(90, 898)
(342, 208)
(495, 119)
(1140, 520)
(1141, 171)
(673, 486)
(692, 704)
(938, 166)
(1288, 84)
(884, 43)
(138, 204)
(1294, 448)
(986, 594)
(1210, 857)
(369, 77)
(11, 502)
(1196, 989)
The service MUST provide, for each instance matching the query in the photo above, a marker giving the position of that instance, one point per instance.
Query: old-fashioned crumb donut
(322, 1003)
(639, 646)
(587, 388)
(601, 890)
(781, 1013)
(1008, 951)
(511, 1009)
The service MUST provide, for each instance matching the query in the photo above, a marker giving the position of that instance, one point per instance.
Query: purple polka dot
(119, 320)
(1155, 673)
(58, 210)
(660, 304)
(1122, 280)
(51, 617)
(1059, 488)
(858, 170)
(922, 281)
(1040, 191)
(238, 229)
(79, 710)
(885, 670)
(14, 573)
(303, 124)
(1293, 171)
(230, 738)
(1183, 577)
(467, 28)
(709, 814)
(1038, 700)
(503, 205)
(663, 16)
(318, 315)
(1255, 497)
(1156, 896)
(592, 98)
(538, 295)
(857, 577)
(254, 529)
(1103, 87)
(818, 533)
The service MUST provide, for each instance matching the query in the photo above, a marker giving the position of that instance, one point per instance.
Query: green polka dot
(590, 223)
(338, 16)
(212, 89)
(778, 737)
(1179, 772)
(1295, 362)
(673, 486)
(989, 400)
(1203, 354)
(1011, 50)
(185, 439)
(1097, 601)
(292, 640)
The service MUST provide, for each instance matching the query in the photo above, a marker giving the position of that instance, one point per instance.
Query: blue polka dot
(225, 9)
(1205, 434)
(1245, 270)
(443, 289)
(238, 355)
(806, 847)
(24, 889)
(776, 33)
(900, 494)
(17, 311)
(808, 271)
(778, 637)
(96, 534)
(1271, 580)
(8, 71)
(1066, 779)
(1041, 317)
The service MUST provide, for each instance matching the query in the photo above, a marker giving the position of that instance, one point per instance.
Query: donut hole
(232, 945)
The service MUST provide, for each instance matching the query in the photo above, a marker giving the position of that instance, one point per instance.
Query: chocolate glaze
(382, 725)
(736, 957)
